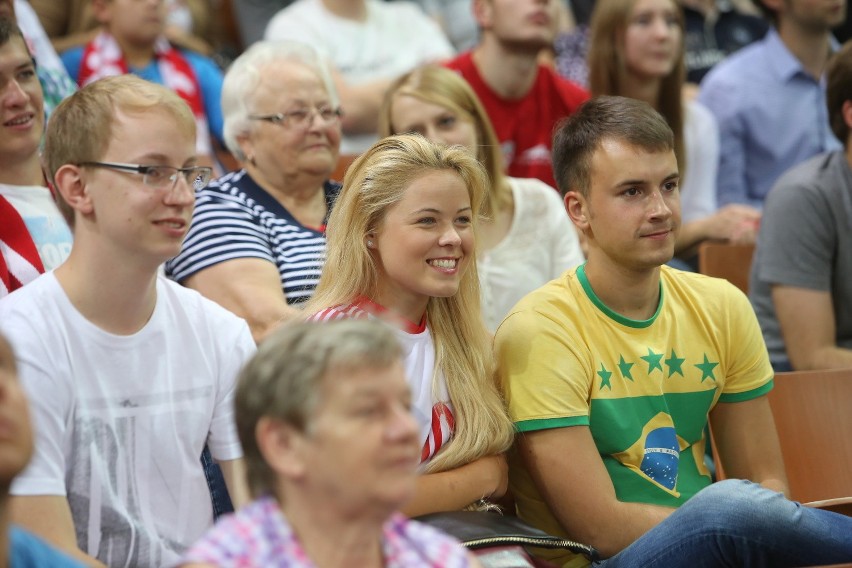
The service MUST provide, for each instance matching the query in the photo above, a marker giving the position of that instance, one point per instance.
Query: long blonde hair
(446, 88)
(374, 183)
(608, 71)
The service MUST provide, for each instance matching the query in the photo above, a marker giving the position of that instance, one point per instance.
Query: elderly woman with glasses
(331, 449)
(257, 240)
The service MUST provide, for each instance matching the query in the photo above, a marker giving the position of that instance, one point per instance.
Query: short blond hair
(81, 127)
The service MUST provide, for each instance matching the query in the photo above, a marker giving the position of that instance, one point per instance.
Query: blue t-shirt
(207, 73)
(28, 551)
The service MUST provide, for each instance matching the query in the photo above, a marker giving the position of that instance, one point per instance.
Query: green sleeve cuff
(747, 395)
(548, 423)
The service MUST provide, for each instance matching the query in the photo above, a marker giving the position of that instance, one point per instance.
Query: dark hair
(839, 90)
(8, 30)
(580, 135)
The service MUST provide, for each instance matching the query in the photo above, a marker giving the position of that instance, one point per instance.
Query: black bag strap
(482, 529)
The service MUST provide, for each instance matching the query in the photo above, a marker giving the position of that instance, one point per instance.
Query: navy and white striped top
(235, 218)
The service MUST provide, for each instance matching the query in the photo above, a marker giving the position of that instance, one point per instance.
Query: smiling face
(653, 38)
(424, 244)
(283, 151)
(434, 122)
(631, 213)
(360, 451)
(16, 437)
(22, 112)
(132, 218)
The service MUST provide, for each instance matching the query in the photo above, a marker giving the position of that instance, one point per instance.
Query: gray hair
(283, 379)
(247, 72)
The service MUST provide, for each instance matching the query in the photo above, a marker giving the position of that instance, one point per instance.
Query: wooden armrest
(842, 505)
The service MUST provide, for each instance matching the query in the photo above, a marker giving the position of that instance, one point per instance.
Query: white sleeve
(50, 402)
(563, 241)
(235, 350)
(701, 141)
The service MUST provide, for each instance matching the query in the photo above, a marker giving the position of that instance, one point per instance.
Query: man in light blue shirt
(769, 99)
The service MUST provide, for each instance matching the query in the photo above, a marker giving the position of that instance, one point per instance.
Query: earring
(369, 244)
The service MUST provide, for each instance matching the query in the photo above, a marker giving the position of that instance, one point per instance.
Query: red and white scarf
(102, 57)
(19, 259)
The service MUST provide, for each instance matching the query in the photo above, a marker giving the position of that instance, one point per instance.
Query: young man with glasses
(129, 374)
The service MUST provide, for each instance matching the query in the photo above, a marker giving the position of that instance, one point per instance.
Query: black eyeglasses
(161, 177)
(301, 118)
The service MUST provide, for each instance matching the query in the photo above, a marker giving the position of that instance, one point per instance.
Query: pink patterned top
(259, 535)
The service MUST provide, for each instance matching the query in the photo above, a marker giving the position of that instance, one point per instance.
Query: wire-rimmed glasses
(302, 118)
(161, 177)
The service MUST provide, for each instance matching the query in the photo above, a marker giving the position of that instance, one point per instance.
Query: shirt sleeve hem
(747, 395)
(548, 423)
(34, 487)
(226, 452)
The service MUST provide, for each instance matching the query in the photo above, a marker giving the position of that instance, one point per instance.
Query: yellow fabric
(643, 388)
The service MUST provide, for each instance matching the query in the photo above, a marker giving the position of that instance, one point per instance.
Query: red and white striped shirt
(430, 399)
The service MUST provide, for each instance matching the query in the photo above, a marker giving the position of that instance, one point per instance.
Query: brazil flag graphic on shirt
(647, 416)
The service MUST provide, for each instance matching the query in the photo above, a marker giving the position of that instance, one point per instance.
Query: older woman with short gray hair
(257, 240)
(331, 451)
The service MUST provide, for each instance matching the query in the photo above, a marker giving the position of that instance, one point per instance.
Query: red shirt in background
(525, 126)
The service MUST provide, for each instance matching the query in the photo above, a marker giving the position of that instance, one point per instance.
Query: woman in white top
(401, 248)
(636, 50)
(526, 238)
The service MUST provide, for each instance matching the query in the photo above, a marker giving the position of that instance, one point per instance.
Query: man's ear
(577, 208)
(71, 185)
(846, 111)
(483, 13)
(281, 445)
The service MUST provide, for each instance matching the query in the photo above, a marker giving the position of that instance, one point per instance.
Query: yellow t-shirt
(644, 388)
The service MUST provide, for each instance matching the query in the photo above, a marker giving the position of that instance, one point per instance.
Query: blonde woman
(401, 248)
(636, 50)
(526, 238)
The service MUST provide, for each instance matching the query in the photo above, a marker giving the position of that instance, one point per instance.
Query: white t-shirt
(121, 421)
(394, 38)
(430, 399)
(541, 244)
(47, 227)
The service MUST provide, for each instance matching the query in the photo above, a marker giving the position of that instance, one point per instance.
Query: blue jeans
(216, 483)
(739, 523)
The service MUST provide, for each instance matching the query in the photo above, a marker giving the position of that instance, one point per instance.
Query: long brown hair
(608, 71)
